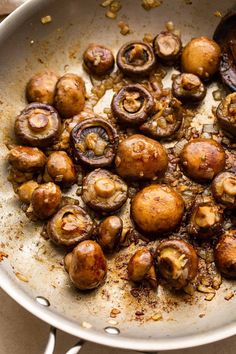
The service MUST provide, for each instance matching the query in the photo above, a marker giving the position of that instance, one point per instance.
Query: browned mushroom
(225, 254)
(226, 114)
(41, 87)
(202, 159)
(26, 159)
(136, 59)
(86, 265)
(70, 95)
(188, 88)
(69, 226)
(224, 189)
(46, 200)
(166, 121)
(177, 262)
(167, 46)
(109, 233)
(25, 191)
(132, 105)
(141, 268)
(98, 60)
(201, 57)
(104, 191)
(38, 125)
(139, 157)
(157, 209)
(94, 142)
(60, 169)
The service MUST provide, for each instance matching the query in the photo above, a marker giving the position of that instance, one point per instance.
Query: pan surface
(33, 267)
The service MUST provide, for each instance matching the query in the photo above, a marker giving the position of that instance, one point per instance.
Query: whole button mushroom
(70, 95)
(69, 226)
(46, 200)
(86, 265)
(188, 88)
(41, 87)
(139, 157)
(202, 159)
(98, 60)
(38, 125)
(157, 209)
(25, 191)
(177, 262)
(27, 159)
(226, 115)
(109, 233)
(224, 189)
(167, 46)
(201, 56)
(60, 169)
(225, 254)
(104, 191)
(132, 105)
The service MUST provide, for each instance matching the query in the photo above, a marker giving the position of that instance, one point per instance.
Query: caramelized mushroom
(177, 262)
(38, 125)
(26, 159)
(70, 95)
(202, 159)
(136, 59)
(224, 189)
(98, 60)
(86, 265)
(226, 114)
(166, 121)
(157, 209)
(103, 191)
(206, 218)
(188, 88)
(109, 233)
(69, 226)
(201, 57)
(141, 268)
(94, 142)
(132, 105)
(60, 169)
(139, 157)
(167, 46)
(41, 87)
(26, 190)
(46, 200)
(225, 254)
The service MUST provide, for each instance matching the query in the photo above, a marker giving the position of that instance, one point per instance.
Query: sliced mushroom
(46, 200)
(109, 233)
(104, 191)
(98, 60)
(25, 191)
(224, 189)
(27, 159)
(60, 169)
(225, 254)
(167, 46)
(188, 88)
(226, 115)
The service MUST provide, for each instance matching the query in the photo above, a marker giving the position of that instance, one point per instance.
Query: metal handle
(52, 343)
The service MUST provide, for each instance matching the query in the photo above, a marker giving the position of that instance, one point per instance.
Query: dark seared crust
(26, 159)
(225, 254)
(226, 120)
(41, 138)
(98, 52)
(218, 191)
(188, 95)
(167, 46)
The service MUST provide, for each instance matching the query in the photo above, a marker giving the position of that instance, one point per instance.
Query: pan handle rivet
(112, 330)
(43, 301)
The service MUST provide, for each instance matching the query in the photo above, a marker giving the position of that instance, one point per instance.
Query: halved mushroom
(38, 125)
(224, 189)
(26, 159)
(25, 191)
(46, 200)
(136, 59)
(177, 262)
(226, 114)
(166, 121)
(60, 169)
(188, 88)
(69, 226)
(132, 105)
(167, 46)
(98, 60)
(225, 254)
(109, 233)
(104, 191)
(94, 142)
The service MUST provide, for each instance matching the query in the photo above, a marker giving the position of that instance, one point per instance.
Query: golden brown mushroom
(225, 254)
(109, 233)
(98, 60)
(46, 200)
(60, 169)
(27, 159)
(224, 189)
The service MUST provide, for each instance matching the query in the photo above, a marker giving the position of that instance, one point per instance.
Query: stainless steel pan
(32, 269)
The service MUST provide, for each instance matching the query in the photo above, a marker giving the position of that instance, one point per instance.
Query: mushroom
(60, 169)
(166, 121)
(136, 59)
(141, 268)
(226, 114)
(167, 47)
(132, 105)
(157, 209)
(201, 159)
(86, 265)
(41, 87)
(46, 200)
(177, 262)
(26, 159)
(109, 233)
(25, 191)
(188, 88)
(70, 95)
(94, 142)
(139, 157)
(69, 226)
(104, 191)
(201, 56)
(225, 254)
(98, 60)
(206, 218)
(224, 189)
(38, 125)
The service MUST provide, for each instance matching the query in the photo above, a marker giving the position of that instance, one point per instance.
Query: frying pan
(32, 274)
